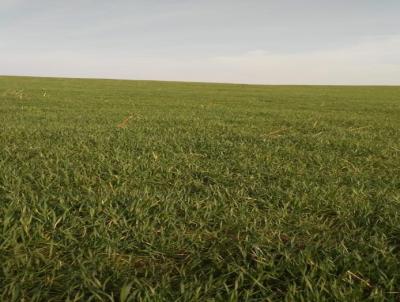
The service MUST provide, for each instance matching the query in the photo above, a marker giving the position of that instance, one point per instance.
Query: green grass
(208, 192)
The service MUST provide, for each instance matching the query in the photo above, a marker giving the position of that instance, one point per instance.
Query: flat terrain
(157, 191)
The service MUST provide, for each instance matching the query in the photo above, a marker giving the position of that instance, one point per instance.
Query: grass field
(157, 191)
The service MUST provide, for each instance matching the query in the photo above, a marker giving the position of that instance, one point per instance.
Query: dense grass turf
(154, 191)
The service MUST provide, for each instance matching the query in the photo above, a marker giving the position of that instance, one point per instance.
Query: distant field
(157, 191)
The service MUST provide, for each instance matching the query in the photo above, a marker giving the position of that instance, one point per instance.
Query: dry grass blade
(277, 132)
(353, 275)
(359, 128)
(125, 122)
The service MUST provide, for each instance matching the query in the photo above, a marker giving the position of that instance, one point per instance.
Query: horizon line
(189, 82)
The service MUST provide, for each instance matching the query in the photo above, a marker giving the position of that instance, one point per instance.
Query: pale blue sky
(271, 42)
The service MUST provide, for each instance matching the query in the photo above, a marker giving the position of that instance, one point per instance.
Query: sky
(351, 42)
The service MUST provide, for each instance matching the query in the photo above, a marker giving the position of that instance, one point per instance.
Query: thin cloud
(373, 61)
